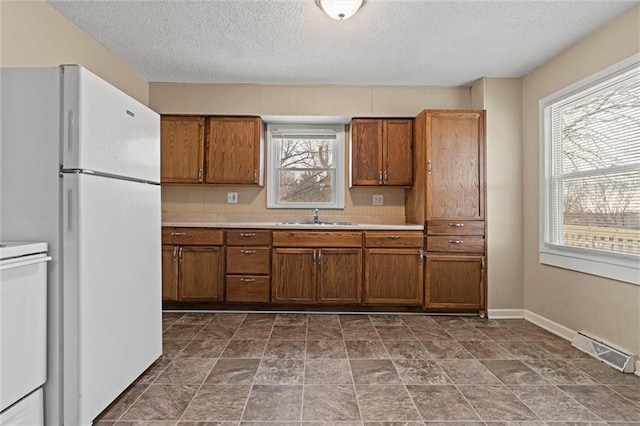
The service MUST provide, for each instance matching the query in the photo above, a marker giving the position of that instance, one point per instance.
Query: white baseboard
(505, 313)
(552, 326)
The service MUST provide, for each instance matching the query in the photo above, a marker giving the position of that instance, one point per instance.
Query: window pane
(601, 212)
(297, 186)
(602, 129)
(306, 152)
(593, 150)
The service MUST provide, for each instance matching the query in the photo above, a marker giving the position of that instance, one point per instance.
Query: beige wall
(34, 34)
(605, 308)
(209, 203)
(503, 102)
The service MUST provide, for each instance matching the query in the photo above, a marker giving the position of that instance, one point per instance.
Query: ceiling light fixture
(340, 9)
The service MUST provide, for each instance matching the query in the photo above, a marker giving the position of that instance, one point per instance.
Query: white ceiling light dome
(340, 9)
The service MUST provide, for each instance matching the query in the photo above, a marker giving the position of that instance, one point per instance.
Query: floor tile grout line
(253, 382)
(207, 376)
(353, 380)
(581, 404)
(404, 385)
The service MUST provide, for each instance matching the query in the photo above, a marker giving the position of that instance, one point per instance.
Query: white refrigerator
(80, 169)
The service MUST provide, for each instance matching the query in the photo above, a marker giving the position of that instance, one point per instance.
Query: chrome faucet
(316, 219)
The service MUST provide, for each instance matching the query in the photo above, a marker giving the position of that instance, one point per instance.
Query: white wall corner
(637, 372)
(505, 313)
(549, 325)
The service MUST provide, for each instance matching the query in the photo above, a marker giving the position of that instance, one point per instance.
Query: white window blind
(306, 168)
(592, 169)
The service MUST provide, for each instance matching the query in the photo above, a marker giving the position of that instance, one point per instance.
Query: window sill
(625, 270)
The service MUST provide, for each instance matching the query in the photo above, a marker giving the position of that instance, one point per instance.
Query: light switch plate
(232, 197)
(378, 200)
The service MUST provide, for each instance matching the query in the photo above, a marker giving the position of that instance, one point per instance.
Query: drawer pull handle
(457, 225)
(178, 234)
(394, 237)
(456, 242)
(248, 234)
(247, 280)
(247, 251)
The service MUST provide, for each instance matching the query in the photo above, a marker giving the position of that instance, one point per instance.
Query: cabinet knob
(247, 280)
(247, 251)
(457, 225)
(380, 177)
(247, 234)
(456, 242)
(178, 234)
(386, 177)
(394, 237)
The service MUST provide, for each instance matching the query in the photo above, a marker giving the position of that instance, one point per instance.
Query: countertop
(290, 225)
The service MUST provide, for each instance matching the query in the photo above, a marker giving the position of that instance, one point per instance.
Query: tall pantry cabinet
(448, 196)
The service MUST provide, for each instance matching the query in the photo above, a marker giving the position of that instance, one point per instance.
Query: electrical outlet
(232, 197)
(378, 200)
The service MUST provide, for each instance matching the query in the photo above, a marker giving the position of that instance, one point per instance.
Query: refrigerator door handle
(70, 131)
(70, 208)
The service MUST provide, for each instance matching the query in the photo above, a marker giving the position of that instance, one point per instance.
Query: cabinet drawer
(192, 236)
(248, 237)
(248, 260)
(455, 227)
(247, 289)
(317, 239)
(456, 244)
(393, 239)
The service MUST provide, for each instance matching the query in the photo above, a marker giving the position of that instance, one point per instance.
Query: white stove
(23, 331)
(15, 249)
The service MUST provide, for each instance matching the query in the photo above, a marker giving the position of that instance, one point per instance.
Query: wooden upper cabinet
(455, 165)
(366, 139)
(398, 152)
(181, 149)
(234, 150)
(382, 152)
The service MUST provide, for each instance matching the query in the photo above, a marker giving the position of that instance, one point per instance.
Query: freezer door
(106, 130)
(112, 289)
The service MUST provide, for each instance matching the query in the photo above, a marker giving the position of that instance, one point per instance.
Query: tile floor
(299, 369)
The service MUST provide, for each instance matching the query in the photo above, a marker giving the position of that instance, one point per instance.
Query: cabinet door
(339, 275)
(181, 149)
(233, 150)
(455, 282)
(170, 273)
(398, 152)
(293, 276)
(200, 273)
(366, 151)
(455, 157)
(393, 276)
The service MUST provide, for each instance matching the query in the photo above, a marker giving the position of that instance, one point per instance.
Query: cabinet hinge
(429, 167)
(200, 175)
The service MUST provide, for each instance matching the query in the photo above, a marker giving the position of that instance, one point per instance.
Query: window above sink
(306, 166)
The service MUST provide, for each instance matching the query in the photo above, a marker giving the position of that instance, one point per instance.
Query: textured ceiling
(388, 42)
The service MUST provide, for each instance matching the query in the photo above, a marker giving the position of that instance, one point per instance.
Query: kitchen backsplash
(184, 203)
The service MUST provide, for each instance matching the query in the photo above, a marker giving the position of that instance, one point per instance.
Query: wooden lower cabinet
(339, 276)
(192, 273)
(311, 275)
(170, 273)
(293, 275)
(454, 282)
(393, 276)
(247, 289)
(200, 274)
